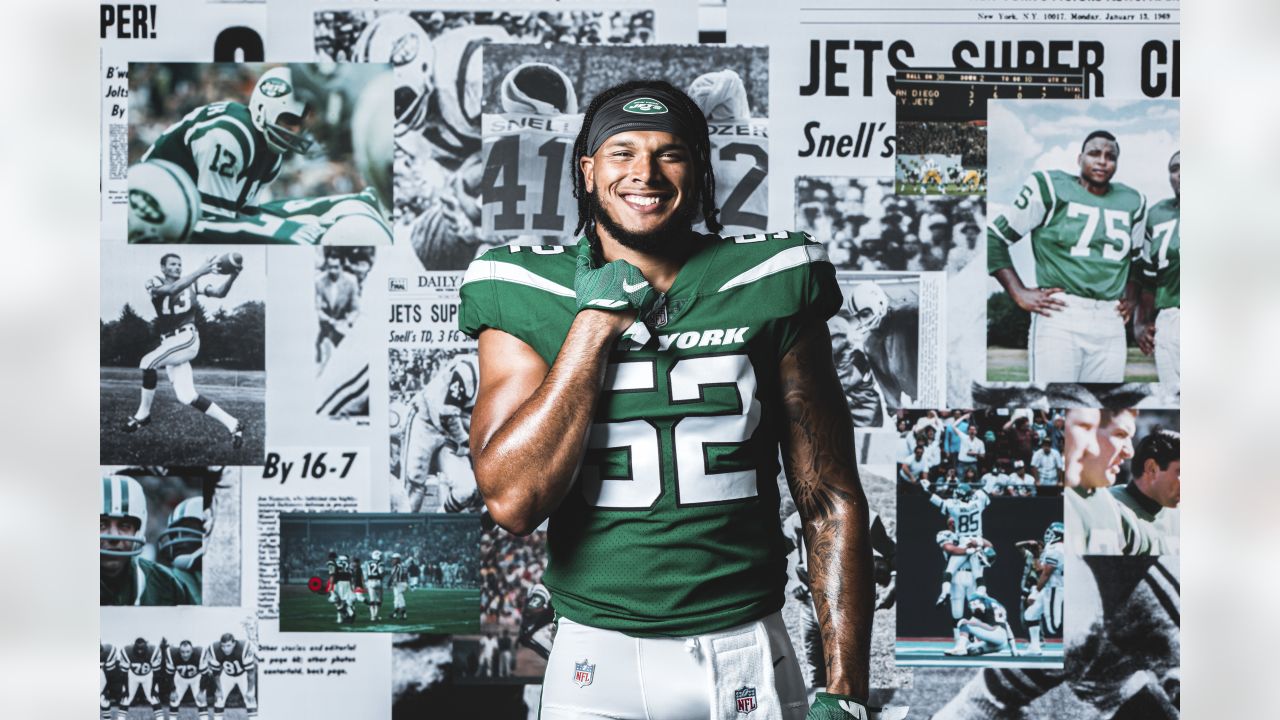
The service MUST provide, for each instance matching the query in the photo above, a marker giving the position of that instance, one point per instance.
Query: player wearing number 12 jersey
(1085, 231)
(634, 391)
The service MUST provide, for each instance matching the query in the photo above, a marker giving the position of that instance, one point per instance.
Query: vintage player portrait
(867, 227)
(533, 104)
(379, 572)
(167, 663)
(1082, 241)
(981, 530)
(169, 536)
(344, 332)
(433, 391)
(182, 355)
(1125, 483)
(255, 153)
(438, 89)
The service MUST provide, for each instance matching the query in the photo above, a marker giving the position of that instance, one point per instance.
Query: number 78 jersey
(672, 525)
(1082, 243)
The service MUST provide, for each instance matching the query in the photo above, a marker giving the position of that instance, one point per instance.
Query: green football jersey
(222, 151)
(144, 582)
(672, 526)
(1097, 524)
(1162, 252)
(1082, 243)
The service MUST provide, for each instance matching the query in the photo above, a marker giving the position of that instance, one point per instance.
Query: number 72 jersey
(1082, 243)
(672, 525)
(526, 186)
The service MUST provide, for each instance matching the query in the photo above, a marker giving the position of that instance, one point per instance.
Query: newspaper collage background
(339, 411)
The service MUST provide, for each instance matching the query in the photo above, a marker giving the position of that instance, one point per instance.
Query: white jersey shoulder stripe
(248, 136)
(785, 260)
(509, 272)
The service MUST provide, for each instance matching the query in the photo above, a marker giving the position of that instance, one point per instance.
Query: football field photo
(434, 611)
(931, 652)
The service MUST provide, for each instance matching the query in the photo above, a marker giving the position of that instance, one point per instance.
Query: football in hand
(232, 262)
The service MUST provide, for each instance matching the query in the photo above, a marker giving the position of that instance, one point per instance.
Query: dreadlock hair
(701, 152)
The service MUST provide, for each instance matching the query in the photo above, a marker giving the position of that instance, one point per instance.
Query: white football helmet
(122, 497)
(376, 556)
(182, 542)
(274, 99)
(947, 536)
(164, 203)
(869, 305)
(395, 557)
(353, 222)
(372, 142)
(398, 39)
(459, 74)
(540, 89)
(721, 95)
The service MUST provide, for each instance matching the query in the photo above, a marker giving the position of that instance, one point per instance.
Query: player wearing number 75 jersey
(634, 391)
(1085, 231)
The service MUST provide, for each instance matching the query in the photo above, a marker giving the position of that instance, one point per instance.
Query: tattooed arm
(823, 474)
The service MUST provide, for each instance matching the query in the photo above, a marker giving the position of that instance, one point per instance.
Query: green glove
(827, 706)
(615, 286)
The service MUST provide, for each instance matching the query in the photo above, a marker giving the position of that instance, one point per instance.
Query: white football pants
(1083, 342)
(1168, 346)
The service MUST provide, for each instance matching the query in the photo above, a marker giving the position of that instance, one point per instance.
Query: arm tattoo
(824, 482)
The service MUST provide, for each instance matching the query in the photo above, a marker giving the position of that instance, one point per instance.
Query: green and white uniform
(1161, 267)
(1084, 244)
(1163, 525)
(1097, 524)
(672, 527)
(144, 582)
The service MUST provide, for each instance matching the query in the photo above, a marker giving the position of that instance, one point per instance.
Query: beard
(669, 240)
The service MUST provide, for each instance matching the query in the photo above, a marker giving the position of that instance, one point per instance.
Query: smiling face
(1098, 162)
(641, 185)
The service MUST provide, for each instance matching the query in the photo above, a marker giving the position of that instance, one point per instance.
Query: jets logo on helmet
(122, 498)
(645, 106)
(869, 305)
(273, 102)
(399, 39)
(540, 89)
(376, 555)
(1054, 533)
(164, 203)
(964, 491)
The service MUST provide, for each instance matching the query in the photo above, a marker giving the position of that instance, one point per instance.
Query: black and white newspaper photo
(437, 50)
(199, 318)
(164, 30)
(257, 153)
(534, 104)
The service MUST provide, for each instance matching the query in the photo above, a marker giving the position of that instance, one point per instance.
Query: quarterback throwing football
(634, 391)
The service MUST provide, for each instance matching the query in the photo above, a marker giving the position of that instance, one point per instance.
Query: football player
(373, 584)
(986, 630)
(1154, 490)
(127, 578)
(181, 545)
(398, 579)
(1161, 291)
(232, 663)
(932, 175)
(868, 304)
(174, 298)
(537, 621)
(1043, 611)
(963, 510)
(337, 306)
(966, 558)
(342, 596)
(343, 382)
(142, 661)
(634, 390)
(185, 664)
(1098, 524)
(1084, 230)
(109, 661)
(438, 421)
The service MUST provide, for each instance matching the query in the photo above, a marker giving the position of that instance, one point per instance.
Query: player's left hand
(1146, 337)
(828, 706)
(1125, 306)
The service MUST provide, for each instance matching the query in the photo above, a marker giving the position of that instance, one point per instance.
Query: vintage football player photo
(433, 390)
(167, 663)
(379, 572)
(438, 91)
(534, 97)
(1082, 241)
(865, 226)
(199, 318)
(157, 541)
(344, 332)
(981, 539)
(254, 153)
(1124, 481)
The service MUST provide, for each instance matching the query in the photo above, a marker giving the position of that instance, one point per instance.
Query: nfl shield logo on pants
(583, 673)
(746, 697)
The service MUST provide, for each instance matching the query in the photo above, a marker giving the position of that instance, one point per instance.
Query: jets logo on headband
(275, 87)
(645, 106)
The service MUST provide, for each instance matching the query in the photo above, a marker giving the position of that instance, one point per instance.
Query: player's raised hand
(615, 286)
(1039, 300)
(209, 266)
(1146, 337)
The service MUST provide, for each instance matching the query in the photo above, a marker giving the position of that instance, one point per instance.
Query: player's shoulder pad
(744, 259)
(234, 122)
(546, 267)
(154, 282)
